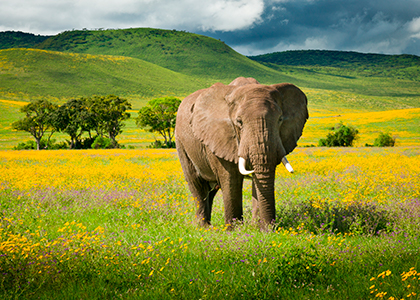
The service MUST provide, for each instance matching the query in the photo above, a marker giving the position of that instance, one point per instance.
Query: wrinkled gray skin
(217, 125)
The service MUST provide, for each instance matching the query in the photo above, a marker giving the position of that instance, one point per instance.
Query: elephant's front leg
(232, 198)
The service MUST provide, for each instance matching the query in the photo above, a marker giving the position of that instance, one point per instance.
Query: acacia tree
(37, 120)
(108, 114)
(160, 116)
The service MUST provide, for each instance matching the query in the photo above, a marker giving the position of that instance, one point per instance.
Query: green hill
(179, 51)
(348, 63)
(31, 73)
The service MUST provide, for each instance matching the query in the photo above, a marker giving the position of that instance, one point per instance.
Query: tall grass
(120, 224)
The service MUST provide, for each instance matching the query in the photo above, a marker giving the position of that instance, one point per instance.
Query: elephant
(225, 133)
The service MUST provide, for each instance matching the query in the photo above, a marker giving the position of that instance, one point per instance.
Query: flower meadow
(121, 224)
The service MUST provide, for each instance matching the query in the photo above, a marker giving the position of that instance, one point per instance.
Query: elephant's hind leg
(203, 195)
(201, 190)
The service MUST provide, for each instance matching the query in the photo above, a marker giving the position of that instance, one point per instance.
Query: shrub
(43, 145)
(384, 140)
(29, 145)
(159, 144)
(342, 136)
(101, 142)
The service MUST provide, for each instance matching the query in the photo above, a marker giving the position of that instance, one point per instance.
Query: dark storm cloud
(380, 26)
(249, 26)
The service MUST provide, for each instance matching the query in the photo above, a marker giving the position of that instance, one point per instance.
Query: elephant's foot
(202, 222)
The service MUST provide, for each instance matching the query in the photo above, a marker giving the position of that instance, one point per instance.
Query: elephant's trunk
(263, 193)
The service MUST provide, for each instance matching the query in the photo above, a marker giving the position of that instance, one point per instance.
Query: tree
(108, 114)
(37, 120)
(342, 136)
(74, 119)
(160, 116)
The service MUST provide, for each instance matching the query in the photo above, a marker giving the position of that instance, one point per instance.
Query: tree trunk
(38, 142)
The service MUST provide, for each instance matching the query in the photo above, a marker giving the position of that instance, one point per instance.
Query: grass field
(120, 224)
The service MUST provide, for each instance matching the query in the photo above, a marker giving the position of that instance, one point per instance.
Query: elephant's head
(252, 125)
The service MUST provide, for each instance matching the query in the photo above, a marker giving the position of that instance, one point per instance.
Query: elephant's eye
(239, 122)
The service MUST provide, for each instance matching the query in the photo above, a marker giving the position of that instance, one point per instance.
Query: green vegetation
(103, 115)
(342, 136)
(160, 116)
(30, 74)
(384, 140)
(348, 63)
(38, 119)
(18, 39)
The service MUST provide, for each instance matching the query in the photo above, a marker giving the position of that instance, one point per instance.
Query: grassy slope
(30, 73)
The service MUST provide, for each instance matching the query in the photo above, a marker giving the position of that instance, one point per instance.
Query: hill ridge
(331, 58)
(180, 51)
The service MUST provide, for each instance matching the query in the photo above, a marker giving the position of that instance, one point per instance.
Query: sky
(251, 27)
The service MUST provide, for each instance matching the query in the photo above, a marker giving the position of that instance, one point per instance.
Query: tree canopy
(37, 120)
(160, 116)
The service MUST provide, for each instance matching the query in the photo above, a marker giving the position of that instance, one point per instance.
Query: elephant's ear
(293, 103)
(212, 125)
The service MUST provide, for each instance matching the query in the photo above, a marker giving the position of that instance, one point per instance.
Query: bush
(43, 145)
(29, 145)
(159, 144)
(384, 140)
(101, 142)
(342, 136)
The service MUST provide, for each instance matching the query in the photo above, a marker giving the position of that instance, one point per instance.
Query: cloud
(249, 26)
(380, 26)
(414, 27)
(50, 16)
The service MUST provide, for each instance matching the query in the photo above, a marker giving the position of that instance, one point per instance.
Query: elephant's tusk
(287, 164)
(242, 169)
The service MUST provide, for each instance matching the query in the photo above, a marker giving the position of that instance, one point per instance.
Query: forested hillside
(18, 39)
